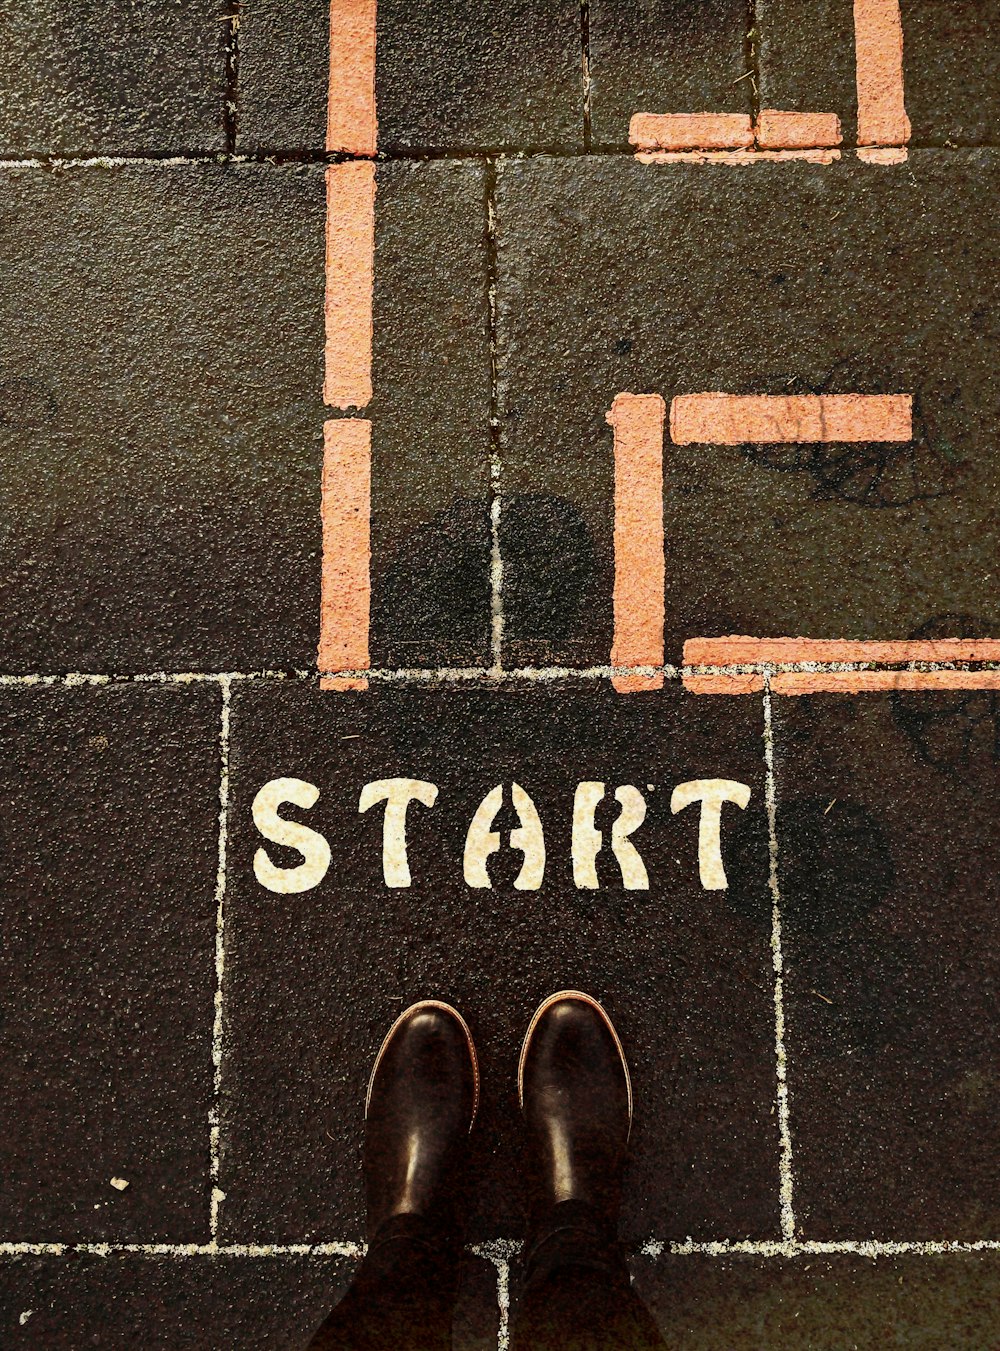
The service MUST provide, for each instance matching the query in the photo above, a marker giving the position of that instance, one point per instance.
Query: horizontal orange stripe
(739, 650)
(350, 260)
(351, 124)
(738, 419)
(691, 131)
(883, 155)
(777, 130)
(738, 157)
(345, 597)
(870, 682)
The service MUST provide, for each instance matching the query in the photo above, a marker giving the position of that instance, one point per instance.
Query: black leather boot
(422, 1100)
(576, 1097)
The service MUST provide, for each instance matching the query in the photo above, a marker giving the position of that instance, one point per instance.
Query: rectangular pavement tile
(121, 1303)
(666, 56)
(951, 75)
(889, 850)
(430, 417)
(111, 78)
(161, 434)
(315, 979)
(823, 1303)
(224, 1303)
(449, 75)
(776, 278)
(110, 840)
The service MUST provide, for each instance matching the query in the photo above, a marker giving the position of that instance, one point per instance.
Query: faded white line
(463, 674)
(217, 1196)
(500, 1252)
(494, 1250)
(785, 1175)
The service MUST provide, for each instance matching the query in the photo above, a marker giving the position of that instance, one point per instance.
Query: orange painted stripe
(691, 131)
(740, 157)
(737, 419)
(345, 597)
(350, 263)
(871, 682)
(740, 650)
(638, 421)
(882, 118)
(351, 123)
(844, 682)
(778, 130)
(883, 155)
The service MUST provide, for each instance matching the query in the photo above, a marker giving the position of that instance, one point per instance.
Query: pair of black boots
(576, 1098)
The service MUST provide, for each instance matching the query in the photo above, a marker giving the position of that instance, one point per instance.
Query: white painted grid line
(491, 1252)
(217, 1196)
(785, 1176)
(500, 1252)
(496, 465)
(487, 674)
(496, 671)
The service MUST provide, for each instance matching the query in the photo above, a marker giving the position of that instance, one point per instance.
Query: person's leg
(422, 1100)
(576, 1097)
(577, 1294)
(402, 1296)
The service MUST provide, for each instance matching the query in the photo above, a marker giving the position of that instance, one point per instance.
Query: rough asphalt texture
(162, 244)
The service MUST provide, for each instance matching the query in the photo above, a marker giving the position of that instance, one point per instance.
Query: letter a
(482, 840)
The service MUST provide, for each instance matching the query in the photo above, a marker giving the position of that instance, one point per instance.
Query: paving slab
(314, 979)
(799, 278)
(174, 1304)
(200, 1303)
(950, 68)
(111, 77)
(666, 56)
(161, 432)
(110, 842)
(430, 417)
(822, 1303)
(889, 849)
(452, 75)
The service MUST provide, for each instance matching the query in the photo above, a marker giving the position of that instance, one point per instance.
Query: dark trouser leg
(577, 1294)
(402, 1297)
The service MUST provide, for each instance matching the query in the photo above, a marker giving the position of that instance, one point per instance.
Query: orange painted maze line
(345, 595)
(638, 421)
(883, 126)
(746, 419)
(746, 651)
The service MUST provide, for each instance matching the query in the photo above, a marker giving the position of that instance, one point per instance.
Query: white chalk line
(216, 1195)
(487, 674)
(502, 1252)
(786, 1181)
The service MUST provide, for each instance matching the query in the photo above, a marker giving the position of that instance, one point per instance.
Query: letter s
(310, 844)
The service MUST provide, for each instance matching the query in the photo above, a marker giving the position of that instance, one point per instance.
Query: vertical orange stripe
(878, 31)
(350, 265)
(345, 600)
(351, 124)
(638, 421)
